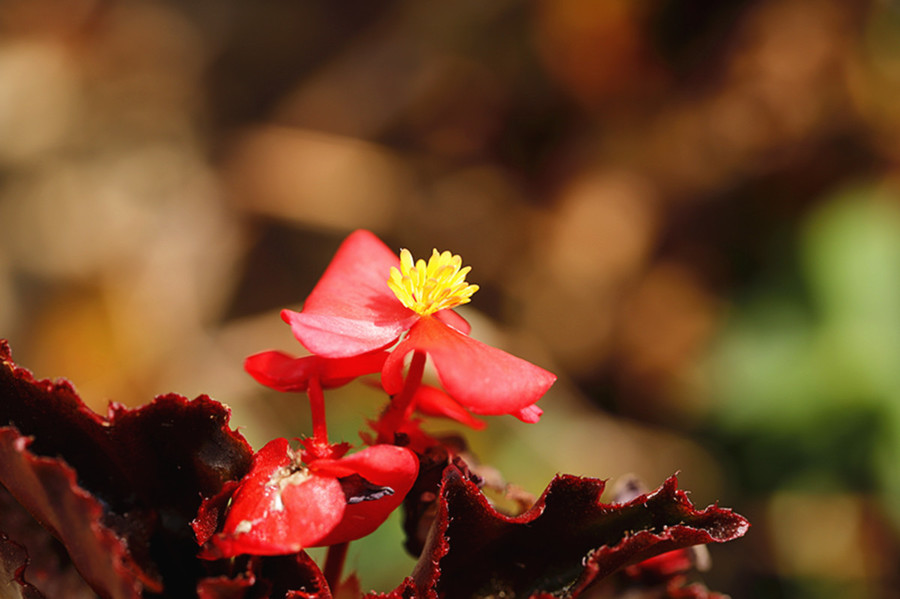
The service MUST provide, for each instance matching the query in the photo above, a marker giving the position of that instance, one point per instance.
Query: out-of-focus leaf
(13, 560)
(826, 337)
(225, 587)
(678, 590)
(49, 566)
(567, 541)
(806, 372)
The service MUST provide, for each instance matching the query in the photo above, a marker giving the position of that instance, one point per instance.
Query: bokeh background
(689, 210)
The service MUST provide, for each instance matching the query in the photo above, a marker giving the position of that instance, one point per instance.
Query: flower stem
(334, 565)
(317, 407)
(402, 404)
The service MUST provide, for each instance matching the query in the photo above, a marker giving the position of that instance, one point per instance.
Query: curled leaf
(118, 491)
(566, 542)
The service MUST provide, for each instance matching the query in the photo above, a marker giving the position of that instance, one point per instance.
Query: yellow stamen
(427, 288)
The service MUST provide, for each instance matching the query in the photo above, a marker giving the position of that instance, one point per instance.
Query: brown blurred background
(689, 210)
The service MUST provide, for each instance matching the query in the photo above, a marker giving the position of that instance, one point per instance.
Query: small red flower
(431, 401)
(282, 506)
(284, 372)
(368, 298)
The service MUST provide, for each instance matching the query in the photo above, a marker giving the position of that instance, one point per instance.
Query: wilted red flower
(368, 298)
(282, 506)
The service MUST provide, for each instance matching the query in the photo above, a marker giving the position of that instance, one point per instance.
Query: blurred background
(689, 210)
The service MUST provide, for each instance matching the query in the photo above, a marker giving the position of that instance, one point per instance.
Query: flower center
(437, 285)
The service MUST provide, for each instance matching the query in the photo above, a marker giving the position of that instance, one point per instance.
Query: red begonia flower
(353, 310)
(431, 401)
(283, 372)
(282, 507)
(484, 379)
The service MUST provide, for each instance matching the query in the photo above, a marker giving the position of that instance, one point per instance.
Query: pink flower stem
(334, 565)
(402, 404)
(317, 407)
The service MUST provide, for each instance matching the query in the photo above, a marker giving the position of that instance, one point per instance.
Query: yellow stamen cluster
(427, 288)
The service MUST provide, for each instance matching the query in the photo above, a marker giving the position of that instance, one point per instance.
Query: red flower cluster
(127, 511)
(367, 314)
(359, 307)
(283, 506)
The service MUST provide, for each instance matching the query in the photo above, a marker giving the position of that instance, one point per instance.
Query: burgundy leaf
(47, 487)
(118, 491)
(676, 589)
(211, 513)
(294, 575)
(261, 577)
(564, 543)
(406, 590)
(420, 504)
(225, 587)
(49, 567)
(13, 560)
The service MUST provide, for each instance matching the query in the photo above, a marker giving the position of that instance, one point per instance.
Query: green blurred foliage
(813, 363)
(807, 371)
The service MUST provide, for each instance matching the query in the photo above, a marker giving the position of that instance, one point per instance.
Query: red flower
(368, 298)
(282, 506)
(283, 372)
(431, 401)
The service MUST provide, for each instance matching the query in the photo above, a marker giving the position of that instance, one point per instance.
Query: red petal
(279, 510)
(451, 318)
(352, 310)
(284, 372)
(381, 465)
(531, 414)
(431, 401)
(384, 465)
(484, 379)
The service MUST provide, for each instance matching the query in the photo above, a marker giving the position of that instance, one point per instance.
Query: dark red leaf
(118, 491)
(564, 543)
(420, 504)
(49, 567)
(677, 589)
(211, 513)
(406, 590)
(262, 577)
(294, 575)
(225, 587)
(47, 487)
